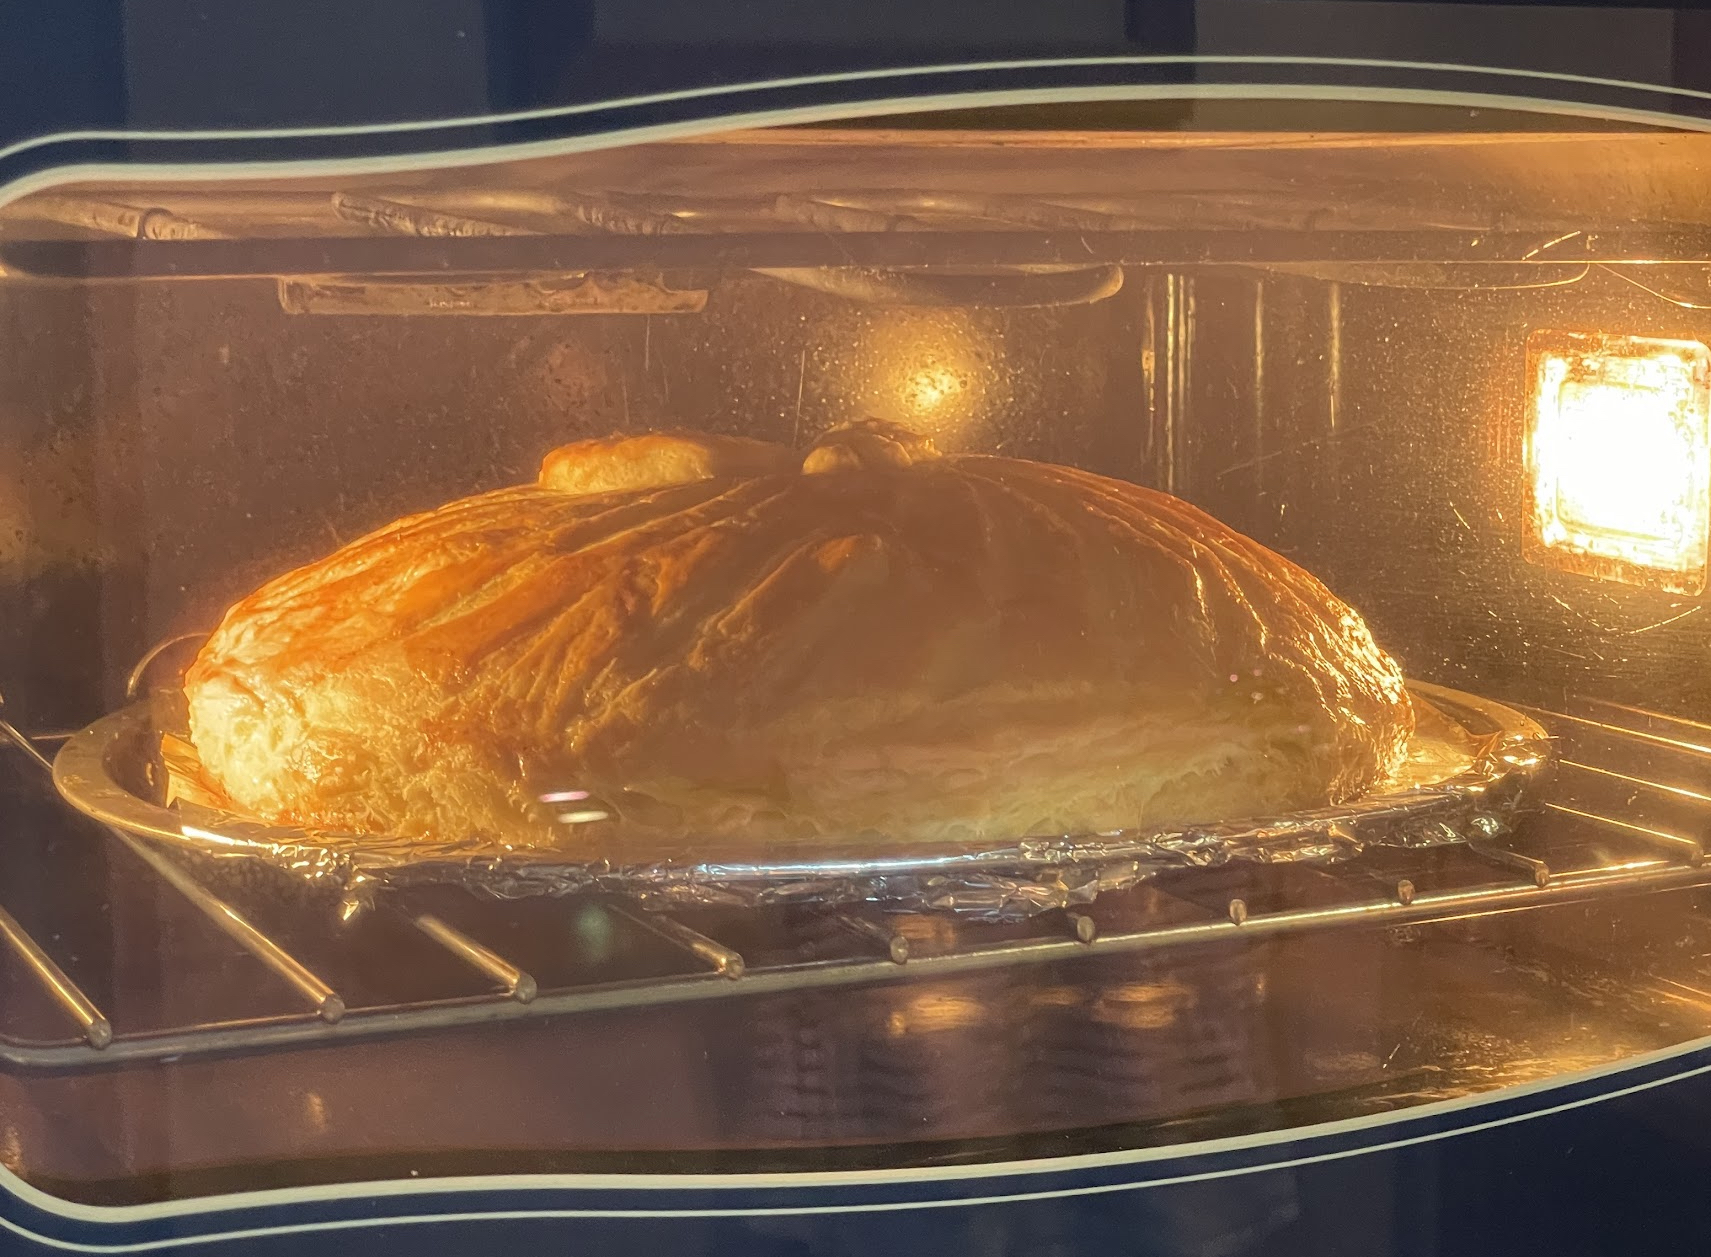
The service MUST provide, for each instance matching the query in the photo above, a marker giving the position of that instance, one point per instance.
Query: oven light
(1618, 458)
(924, 369)
(928, 388)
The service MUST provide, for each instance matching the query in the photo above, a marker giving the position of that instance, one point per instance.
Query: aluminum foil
(1473, 769)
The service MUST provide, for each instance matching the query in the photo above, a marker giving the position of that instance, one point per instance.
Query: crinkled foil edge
(1482, 802)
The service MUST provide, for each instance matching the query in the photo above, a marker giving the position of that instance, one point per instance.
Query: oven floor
(1106, 1053)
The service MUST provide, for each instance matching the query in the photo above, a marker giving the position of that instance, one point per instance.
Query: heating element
(1625, 815)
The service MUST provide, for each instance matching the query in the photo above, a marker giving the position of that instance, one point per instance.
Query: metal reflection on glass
(1144, 1005)
(1618, 458)
(592, 810)
(935, 1011)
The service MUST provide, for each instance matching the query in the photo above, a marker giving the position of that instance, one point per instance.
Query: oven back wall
(1368, 422)
(193, 439)
(169, 446)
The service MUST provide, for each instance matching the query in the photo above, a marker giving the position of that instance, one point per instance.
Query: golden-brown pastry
(748, 645)
(656, 460)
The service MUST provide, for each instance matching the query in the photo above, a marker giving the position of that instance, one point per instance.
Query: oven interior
(1326, 337)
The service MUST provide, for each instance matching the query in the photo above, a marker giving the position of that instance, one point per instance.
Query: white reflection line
(208, 835)
(1549, 244)
(582, 818)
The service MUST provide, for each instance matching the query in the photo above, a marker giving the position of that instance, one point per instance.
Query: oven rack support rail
(1653, 859)
(792, 255)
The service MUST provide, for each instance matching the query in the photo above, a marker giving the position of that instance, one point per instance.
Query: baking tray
(1474, 768)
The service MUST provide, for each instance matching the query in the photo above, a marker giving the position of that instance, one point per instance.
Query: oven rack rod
(439, 258)
(1237, 922)
(1513, 880)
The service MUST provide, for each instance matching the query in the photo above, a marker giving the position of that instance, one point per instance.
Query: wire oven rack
(1625, 815)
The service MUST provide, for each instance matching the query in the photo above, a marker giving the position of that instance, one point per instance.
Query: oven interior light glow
(1618, 456)
(931, 370)
(928, 388)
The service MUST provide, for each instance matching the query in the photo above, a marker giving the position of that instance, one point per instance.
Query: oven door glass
(940, 641)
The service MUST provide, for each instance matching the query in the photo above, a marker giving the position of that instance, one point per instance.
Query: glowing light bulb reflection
(1619, 458)
(930, 387)
(929, 370)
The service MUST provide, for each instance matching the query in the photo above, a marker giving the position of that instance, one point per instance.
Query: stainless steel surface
(1628, 780)
(895, 251)
(1535, 869)
(893, 944)
(442, 1014)
(820, 213)
(887, 180)
(521, 986)
(1690, 849)
(511, 297)
(1024, 288)
(321, 997)
(26, 744)
(724, 961)
(1639, 734)
(411, 220)
(96, 1028)
(136, 682)
(108, 218)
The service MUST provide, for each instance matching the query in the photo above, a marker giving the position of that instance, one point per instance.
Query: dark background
(176, 64)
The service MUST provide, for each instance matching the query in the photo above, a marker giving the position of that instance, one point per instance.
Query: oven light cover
(1618, 458)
